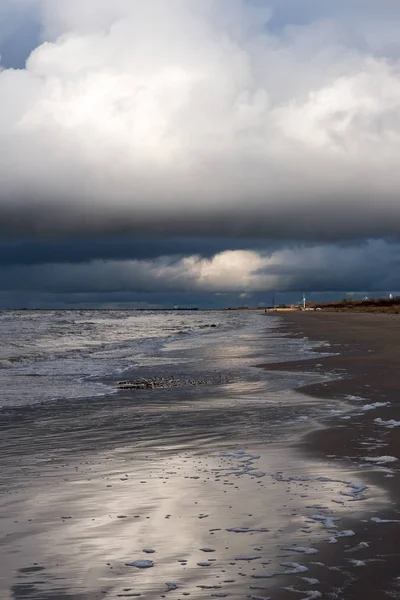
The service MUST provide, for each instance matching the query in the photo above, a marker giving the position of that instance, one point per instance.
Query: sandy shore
(235, 490)
(366, 371)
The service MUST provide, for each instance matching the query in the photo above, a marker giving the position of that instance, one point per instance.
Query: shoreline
(364, 372)
(181, 470)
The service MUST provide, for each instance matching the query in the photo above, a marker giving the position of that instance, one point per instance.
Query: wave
(76, 349)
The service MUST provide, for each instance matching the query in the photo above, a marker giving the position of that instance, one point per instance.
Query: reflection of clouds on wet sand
(219, 520)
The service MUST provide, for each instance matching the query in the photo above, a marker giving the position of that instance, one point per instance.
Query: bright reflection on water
(87, 484)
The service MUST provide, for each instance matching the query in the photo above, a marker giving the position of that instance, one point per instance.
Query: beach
(250, 486)
(366, 376)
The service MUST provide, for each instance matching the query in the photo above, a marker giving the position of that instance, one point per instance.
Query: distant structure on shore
(291, 307)
(389, 304)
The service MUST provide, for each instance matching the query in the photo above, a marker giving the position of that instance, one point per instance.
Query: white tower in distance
(304, 302)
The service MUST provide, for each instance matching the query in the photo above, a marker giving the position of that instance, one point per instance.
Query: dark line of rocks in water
(167, 383)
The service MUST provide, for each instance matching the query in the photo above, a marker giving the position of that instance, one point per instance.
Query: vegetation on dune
(389, 305)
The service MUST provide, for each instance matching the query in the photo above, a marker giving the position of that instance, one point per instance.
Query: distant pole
(304, 301)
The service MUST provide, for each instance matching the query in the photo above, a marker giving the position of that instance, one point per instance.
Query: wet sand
(366, 372)
(79, 504)
(234, 490)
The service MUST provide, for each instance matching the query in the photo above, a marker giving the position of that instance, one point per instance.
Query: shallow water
(47, 355)
(79, 512)
(88, 483)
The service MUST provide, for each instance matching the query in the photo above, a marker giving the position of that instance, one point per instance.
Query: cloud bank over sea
(267, 131)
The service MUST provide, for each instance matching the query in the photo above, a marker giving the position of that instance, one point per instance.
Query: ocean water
(56, 355)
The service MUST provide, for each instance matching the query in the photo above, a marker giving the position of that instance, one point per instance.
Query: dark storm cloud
(374, 265)
(77, 250)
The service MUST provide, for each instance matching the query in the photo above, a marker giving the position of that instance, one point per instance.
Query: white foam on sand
(378, 520)
(341, 534)
(389, 424)
(281, 477)
(356, 490)
(345, 533)
(244, 464)
(310, 580)
(328, 522)
(257, 474)
(324, 521)
(141, 564)
(310, 594)
(374, 405)
(357, 563)
(360, 546)
(380, 460)
(301, 549)
(240, 454)
(354, 398)
(294, 568)
(171, 586)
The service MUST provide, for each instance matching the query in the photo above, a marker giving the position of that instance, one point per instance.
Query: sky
(177, 152)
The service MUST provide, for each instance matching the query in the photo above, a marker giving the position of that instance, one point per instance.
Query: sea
(48, 356)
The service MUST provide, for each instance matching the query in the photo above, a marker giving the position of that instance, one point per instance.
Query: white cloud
(187, 116)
